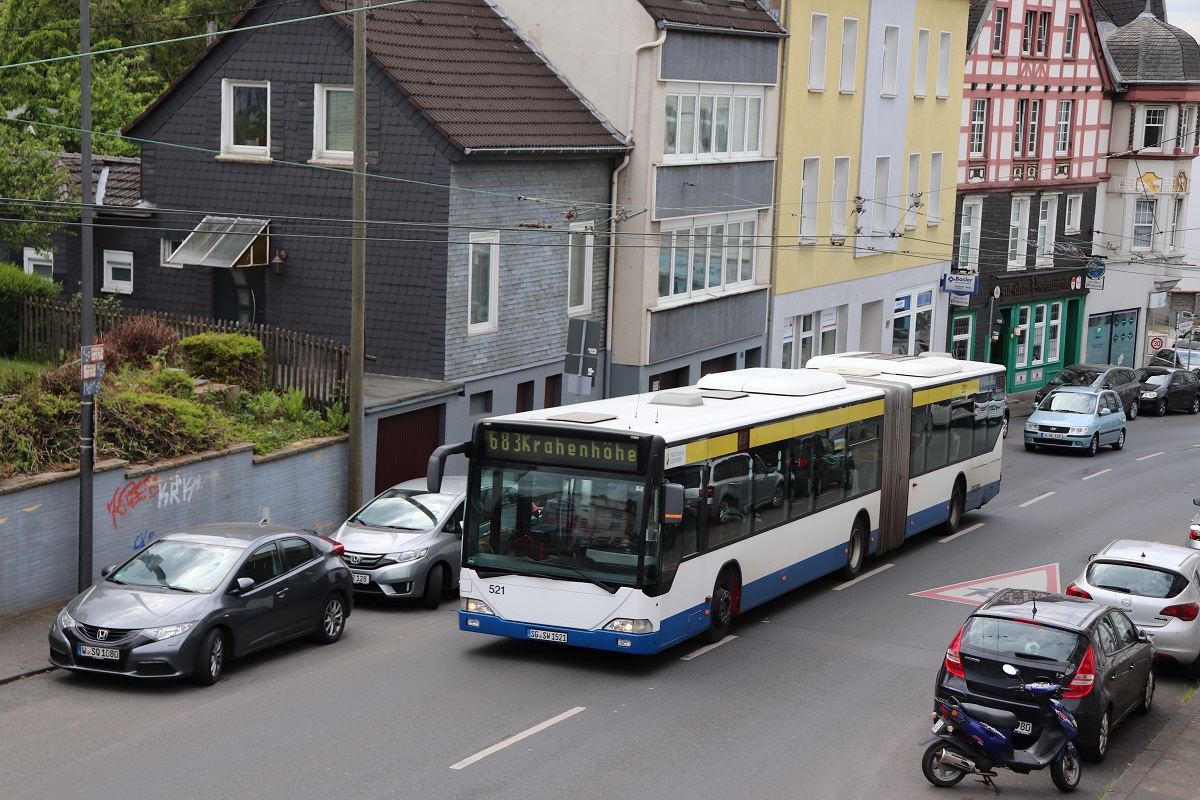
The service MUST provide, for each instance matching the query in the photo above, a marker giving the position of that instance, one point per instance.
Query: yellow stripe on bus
(799, 426)
(711, 447)
(950, 391)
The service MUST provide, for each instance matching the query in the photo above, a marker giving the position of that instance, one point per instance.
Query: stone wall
(303, 485)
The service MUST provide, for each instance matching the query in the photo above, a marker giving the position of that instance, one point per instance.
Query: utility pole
(358, 263)
(87, 406)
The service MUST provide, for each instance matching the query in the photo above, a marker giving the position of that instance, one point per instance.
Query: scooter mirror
(1009, 669)
(1196, 501)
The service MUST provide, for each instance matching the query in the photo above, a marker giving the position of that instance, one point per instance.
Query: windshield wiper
(114, 580)
(181, 588)
(1121, 589)
(1033, 657)
(605, 586)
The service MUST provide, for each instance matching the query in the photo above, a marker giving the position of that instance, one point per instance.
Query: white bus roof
(916, 371)
(721, 402)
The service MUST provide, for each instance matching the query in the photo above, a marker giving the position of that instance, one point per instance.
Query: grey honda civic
(197, 598)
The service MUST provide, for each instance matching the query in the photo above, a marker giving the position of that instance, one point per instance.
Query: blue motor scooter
(970, 739)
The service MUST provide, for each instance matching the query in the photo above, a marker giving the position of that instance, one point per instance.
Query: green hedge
(15, 286)
(226, 358)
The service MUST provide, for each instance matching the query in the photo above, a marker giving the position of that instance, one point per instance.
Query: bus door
(680, 581)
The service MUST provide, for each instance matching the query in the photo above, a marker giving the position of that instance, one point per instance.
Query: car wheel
(1066, 771)
(435, 585)
(1097, 749)
(940, 774)
(1194, 408)
(1120, 442)
(1132, 411)
(1030, 447)
(1147, 693)
(724, 598)
(210, 658)
(1160, 410)
(1094, 445)
(333, 620)
(856, 550)
(777, 498)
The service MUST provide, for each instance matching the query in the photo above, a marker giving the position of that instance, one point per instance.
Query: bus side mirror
(672, 505)
(437, 463)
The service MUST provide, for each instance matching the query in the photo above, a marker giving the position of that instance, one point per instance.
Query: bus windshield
(557, 525)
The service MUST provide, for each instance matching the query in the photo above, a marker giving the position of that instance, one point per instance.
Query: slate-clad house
(488, 207)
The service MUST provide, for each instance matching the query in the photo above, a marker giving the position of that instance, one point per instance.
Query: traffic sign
(975, 592)
(1157, 343)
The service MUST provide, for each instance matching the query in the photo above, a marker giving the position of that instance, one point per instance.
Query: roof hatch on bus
(764, 380)
(887, 364)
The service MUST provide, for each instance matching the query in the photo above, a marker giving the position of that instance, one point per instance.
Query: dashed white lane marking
(862, 577)
(541, 726)
(1034, 500)
(960, 533)
(1152, 455)
(706, 648)
(1095, 474)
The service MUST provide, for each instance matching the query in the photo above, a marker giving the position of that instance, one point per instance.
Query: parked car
(1167, 387)
(407, 542)
(1158, 586)
(194, 599)
(1184, 358)
(1121, 380)
(1077, 417)
(1104, 664)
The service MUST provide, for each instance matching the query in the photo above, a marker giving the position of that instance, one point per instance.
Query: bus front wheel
(724, 598)
(856, 550)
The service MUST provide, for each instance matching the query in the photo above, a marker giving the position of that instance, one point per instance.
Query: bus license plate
(361, 578)
(547, 636)
(1025, 727)
(99, 652)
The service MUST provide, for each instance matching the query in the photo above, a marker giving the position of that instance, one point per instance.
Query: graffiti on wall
(176, 490)
(142, 539)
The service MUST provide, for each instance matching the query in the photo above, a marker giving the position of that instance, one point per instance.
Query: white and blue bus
(633, 523)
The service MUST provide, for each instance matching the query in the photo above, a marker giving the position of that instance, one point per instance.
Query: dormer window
(1154, 128)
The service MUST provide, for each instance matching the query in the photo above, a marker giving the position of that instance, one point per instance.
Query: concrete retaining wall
(302, 485)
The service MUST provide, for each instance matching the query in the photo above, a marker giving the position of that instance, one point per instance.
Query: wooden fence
(50, 331)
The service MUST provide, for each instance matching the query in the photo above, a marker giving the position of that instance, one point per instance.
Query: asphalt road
(822, 694)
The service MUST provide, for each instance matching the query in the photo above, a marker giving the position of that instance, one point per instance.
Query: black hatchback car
(1121, 380)
(1104, 664)
(1166, 388)
(194, 599)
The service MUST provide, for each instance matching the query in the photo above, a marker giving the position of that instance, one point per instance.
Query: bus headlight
(473, 606)
(630, 626)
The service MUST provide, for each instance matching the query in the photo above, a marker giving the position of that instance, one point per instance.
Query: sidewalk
(23, 644)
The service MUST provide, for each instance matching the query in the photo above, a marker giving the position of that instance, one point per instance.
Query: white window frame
(1043, 33)
(1021, 356)
(1063, 130)
(914, 191)
(933, 197)
(1018, 232)
(915, 308)
(945, 43)
(490, 239)
(1027, 32)
(1020, 120)
(1038, 336)
(735, 248)
(956, 337)
(35, 261)
(749, 98)
(1035, 124)
(1139, 203)
(321, 150)
(228, 148)
(1071, 36)
(1074, 214)
(1145, 126)
(977, 137)
(891, 60)
(810, 186)
(118, 259)
(1047, 229)
(999, 34)
(818, 44)
(881, 189)
(921, 70)
(969, 233)
(840, 207)
(848, 77)
(167, 246)
(580, 231)
(1175, 242)
(1054, 333)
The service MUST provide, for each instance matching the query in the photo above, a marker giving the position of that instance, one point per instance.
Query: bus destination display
(563, 451)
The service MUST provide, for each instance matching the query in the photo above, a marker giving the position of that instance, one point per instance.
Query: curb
(1141, 766)
(26, 674)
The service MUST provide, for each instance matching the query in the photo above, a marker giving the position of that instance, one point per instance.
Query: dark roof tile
(1148, 50)
(747, 16)
(122, 187)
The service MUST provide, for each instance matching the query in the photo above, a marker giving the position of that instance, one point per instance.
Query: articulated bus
(633, 523)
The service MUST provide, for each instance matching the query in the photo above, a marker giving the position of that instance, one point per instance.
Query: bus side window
(867, 460)
(921, 427)
(679, 541)
(962, 434)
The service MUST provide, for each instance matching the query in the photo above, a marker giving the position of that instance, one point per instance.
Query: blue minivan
(1077, 417)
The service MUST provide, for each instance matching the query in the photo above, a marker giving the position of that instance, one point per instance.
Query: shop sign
(960, 284)
(960, 300)
(1042, 285)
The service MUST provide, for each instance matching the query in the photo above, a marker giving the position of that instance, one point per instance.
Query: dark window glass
(730, 499)
(1138, 579)
(770, 485)
(866, 457)
(677, 542)
(262, 565)
(1008, 637)
(1126, 632)
(296, 552)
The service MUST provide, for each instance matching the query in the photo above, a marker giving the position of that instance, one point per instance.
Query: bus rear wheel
(856, 550)
(724, 598)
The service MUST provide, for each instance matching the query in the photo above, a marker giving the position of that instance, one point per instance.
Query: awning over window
(224, 242)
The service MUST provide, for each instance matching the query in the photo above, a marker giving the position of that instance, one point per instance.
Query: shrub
(225, 358)
(263, 406)
(172, 382)
(15, 286)
(38, 431)
(336, 418)
(146, 426)
(63, 380)
(293, 403)
(137, 340)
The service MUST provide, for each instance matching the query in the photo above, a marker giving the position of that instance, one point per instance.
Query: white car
(1158, 586)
